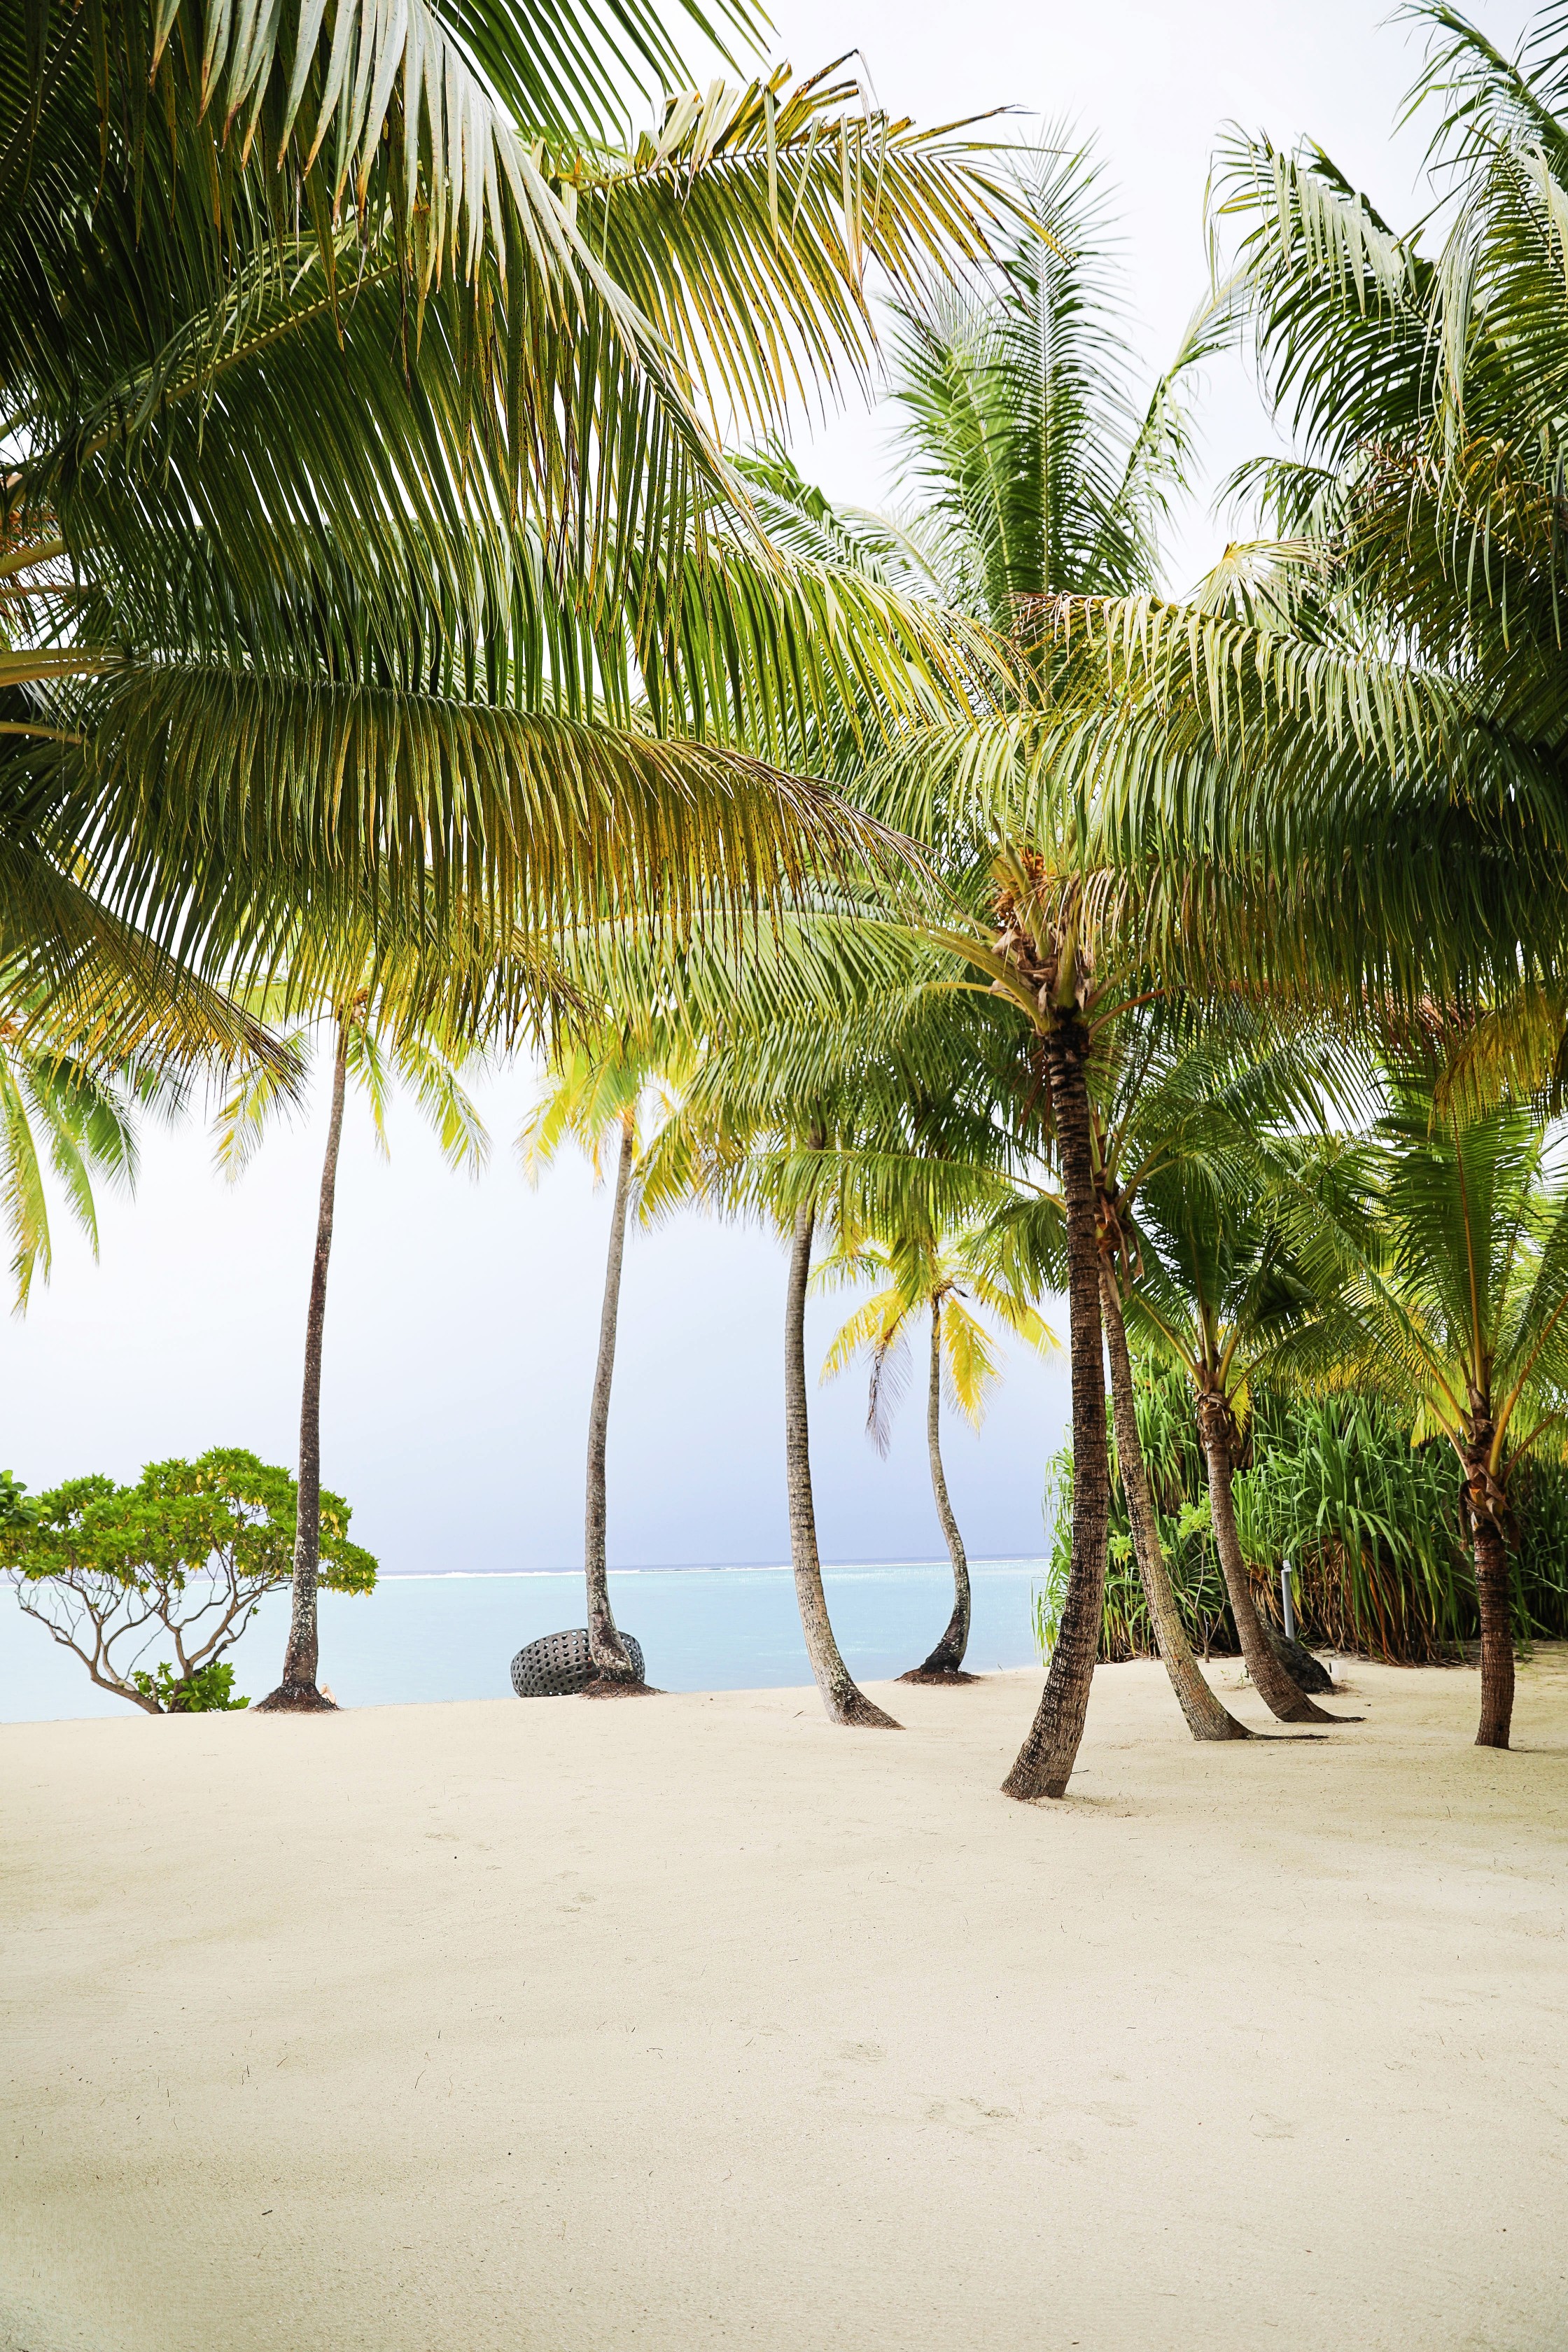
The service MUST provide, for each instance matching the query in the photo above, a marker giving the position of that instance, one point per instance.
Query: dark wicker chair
(558, 1664)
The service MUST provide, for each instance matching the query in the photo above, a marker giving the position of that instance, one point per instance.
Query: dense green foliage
(1371, 1521)
(207, 1690)
(185, 1556)
(490, 698)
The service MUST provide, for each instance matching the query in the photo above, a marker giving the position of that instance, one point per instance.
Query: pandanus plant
(920, 1274)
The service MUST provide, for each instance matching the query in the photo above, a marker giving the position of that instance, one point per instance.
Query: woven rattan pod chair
(558, 1664)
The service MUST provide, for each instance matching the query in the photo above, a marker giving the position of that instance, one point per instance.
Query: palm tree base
(296, 1698)
(941, 1677)
(616, 1686)
(1309, 1674)
(855, 1712)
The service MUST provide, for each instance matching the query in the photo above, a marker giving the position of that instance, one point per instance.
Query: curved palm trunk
(845, 1702)
(1207, 1717)
(1497, 1612)
(297, 1692)
(945, 1663)
(1046, 1759)
(613, 1668)
(1272, 1683)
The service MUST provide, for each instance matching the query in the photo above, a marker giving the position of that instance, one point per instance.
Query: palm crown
(922, 1275)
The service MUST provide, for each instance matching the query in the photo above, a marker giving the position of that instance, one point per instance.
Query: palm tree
(82, 1117)
(1035, 471)
(377, 1041)
(920, 1275)
(1170, 1096)
(1219, 1292)
(592, 1096)
(425, 344)
(755, 1136)
(1444, 1243)
(1040, 474)
(1184, 1101)
(845, 1702)
(1336, 771)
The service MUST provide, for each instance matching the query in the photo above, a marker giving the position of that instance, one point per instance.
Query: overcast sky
(462, 1318)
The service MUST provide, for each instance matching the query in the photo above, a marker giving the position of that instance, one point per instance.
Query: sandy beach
(699, 2023)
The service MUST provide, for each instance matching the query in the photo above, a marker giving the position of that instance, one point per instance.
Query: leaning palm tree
(755, 1137)
(917, 1276)
(1182, 1101)
(845, 1702)
(592, 1096)
(1177, 1097)
(1218, 1292)
(1039, 473)
(1034, 471)
(1445, 1238)
(378, 1041)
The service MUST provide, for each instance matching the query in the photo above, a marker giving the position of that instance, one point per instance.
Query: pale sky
(462, 1318)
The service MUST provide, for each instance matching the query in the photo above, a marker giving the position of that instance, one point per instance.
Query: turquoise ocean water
(451, 1637)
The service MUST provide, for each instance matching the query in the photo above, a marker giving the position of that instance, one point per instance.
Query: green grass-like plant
(1371, 1521)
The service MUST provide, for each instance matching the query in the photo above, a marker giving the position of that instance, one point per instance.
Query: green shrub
(182, 1559)
(1372, 1523)
(207, 1690)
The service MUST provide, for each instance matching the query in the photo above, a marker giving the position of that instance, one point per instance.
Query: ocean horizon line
(705, 1568)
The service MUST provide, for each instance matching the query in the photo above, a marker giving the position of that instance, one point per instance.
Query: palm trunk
(845, 1702)
(1046, 1759)
(1492, 1590)
(612, 1669)
(1207, 1716)
(298, 1691)
(945, 1663)
(1270, 1680)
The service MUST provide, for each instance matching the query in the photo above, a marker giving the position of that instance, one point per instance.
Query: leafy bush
(1372, 1523)
(15, 1511)
(207, 1691)
(182, 1559)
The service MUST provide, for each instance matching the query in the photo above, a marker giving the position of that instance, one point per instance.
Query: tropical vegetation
(378, 1034)
(183, 1558)
(921, 1274)
(393, 649)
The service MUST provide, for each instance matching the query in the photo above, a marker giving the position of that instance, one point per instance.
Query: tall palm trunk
(945, 1663)
(1046, 1759)
(1270, 1680)
(297, 1692)
(613, 1668)
(845, 1702)
(1492, 1590)
(1207, 1717)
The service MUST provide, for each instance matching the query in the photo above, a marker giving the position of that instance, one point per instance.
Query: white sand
(695, 2023)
